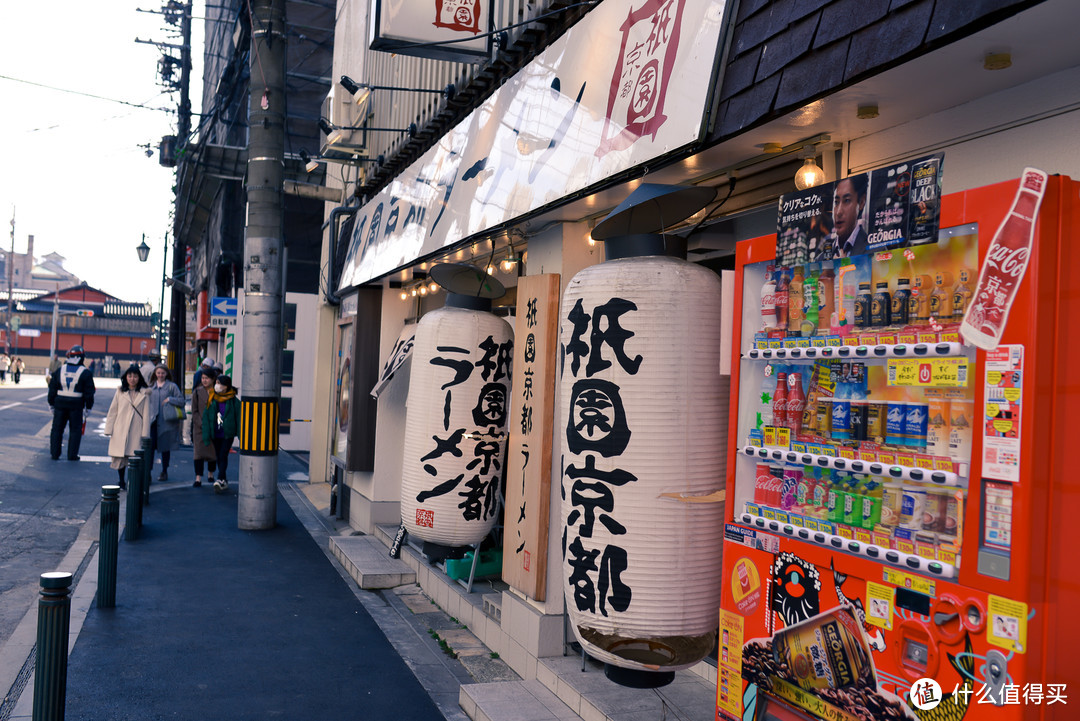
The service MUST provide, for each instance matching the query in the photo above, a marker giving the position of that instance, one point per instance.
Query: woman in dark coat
(204, 452)
(221, 424)
(166, 413)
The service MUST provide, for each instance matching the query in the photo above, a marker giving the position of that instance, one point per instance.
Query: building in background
(41, 274)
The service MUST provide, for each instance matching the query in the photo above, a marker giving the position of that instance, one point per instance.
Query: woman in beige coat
(128, 420)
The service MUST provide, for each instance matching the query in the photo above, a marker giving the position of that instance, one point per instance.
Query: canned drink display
(937, 425)
(961, 412)
(876, 414)
(824, 416)
(895, 420)
(950, 517)
(913, 500)
(762, 481)
(915, 425)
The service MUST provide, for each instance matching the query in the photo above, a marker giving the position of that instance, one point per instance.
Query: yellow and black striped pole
(258, 426)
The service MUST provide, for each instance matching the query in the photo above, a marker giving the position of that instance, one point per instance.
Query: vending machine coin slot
(917, 652)
(997, 673)
(974, 617)
(948, 620)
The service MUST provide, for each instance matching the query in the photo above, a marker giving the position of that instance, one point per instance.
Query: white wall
(302, 391)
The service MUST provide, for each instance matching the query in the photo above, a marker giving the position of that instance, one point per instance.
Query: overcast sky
(74, 168)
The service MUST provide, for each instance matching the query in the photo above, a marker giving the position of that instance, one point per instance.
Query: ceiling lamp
(809, 174)
(310, 165)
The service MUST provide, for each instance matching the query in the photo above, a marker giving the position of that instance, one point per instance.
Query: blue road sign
(224, 307)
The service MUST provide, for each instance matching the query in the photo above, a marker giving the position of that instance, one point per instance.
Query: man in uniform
(71, 388)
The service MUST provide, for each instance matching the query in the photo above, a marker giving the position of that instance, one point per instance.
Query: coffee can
(912, 502)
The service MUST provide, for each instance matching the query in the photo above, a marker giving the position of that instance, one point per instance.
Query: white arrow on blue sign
(223, 306)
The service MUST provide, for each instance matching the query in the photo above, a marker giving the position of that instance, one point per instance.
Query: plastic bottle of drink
(1004, 266)
(881, 306)
(858, 412)
(792, 477)
(862, 306)
(941, 298)
(804, 492)
(768, 300)
(853, 501)
(900, 302)
(871, 504)
(796, 403)
(795, 301)
(961, 428)
(834, 498)
(961, 295)
(762, 481)
(841, 412)
(822, 481)
(810, 303)
(767, 384)
(780, 401)
(848, 289)
(781, 299)
(919, 303)
(827, 299)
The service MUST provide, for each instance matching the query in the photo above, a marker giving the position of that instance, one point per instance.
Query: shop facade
(732, 98)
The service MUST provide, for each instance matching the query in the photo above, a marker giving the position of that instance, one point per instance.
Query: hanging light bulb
(404, 295)
(433, 287)
(491, 270)
(423, 290)
(809, 174)
(413, 292)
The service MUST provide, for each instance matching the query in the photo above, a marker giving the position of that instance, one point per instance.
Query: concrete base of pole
(257, 503)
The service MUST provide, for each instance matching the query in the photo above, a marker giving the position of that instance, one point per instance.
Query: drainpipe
(331, 284)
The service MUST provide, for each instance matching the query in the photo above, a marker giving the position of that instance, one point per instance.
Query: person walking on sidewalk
(166, 416)
(17, 367)
(5, 363)
(221, 424)
(71, 389)
(129, 419)
(205, 453)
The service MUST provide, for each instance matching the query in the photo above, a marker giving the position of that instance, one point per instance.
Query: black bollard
(148, 467)
(107, 546)
(134, 494)
(50, 670)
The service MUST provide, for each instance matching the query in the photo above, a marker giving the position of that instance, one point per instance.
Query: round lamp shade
(642, 414)
(455, 427)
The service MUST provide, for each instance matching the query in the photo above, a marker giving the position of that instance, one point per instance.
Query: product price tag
(912, 583)
(783, 437)
(928, 372)
(818, 341)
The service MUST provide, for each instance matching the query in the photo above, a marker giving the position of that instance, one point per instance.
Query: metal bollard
(50, 670)
(148, 467)
(107, 546)
(134, 493)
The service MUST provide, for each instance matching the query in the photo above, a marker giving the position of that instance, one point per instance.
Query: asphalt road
(43, 503)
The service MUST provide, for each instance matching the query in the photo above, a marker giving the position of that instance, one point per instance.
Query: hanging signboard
(454, 30)
(532, 411)
(620, 88)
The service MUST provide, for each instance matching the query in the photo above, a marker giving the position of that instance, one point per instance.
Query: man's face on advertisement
(847, 207)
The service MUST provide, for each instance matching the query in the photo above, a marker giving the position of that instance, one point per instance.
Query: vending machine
(902, 512)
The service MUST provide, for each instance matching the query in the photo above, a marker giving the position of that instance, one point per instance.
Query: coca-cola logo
(1009, 261)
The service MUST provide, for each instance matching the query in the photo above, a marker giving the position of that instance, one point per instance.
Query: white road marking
(45, 430)
(39, 396)
(94, 459)
(10, 405)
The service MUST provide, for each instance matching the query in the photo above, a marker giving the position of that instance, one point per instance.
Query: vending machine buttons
(796, 352)
(789, 530)
(778, 455)
(899, 350)
(837, 542)
(826, 352)
(843, 351)
(921, 349)
(811, 352)
(913, 561)
(750, 450)
(935, 567)
(753, 353)
(819, 538)
(861, 350)
(823, 461)
(881, 350)
(938, 477)
(896, 471)
(892, 557)
(766, 354)
(760, 522)
(853, 546)
(916, 474)
(774, 526)
(792, 457)
(857, 466)
(839, 463)
(872, 551)
(747, 519)
(781, 353)
(943, 348)
(804, 534)
(807, 459)
(876, 468)
(763, 452)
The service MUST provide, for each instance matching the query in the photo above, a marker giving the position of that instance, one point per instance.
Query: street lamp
(144, 252)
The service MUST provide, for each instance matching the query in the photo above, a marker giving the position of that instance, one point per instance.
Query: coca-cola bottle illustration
(780, 401)
(1004, 265)
(768, 300)
(796, 403)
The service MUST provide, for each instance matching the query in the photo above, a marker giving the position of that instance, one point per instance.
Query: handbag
(181, 414)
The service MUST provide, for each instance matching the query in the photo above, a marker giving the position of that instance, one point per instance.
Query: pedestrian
(207, 364)
(205, 453)
(166, 416)
(128, 421)
(147, 369)
(220, 425)
(54, 364)
(71, 389)
(17, 367)
(5, 363)
(116, 368)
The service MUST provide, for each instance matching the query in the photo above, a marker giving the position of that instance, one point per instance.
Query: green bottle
(853, 502)
(873, 491)
(835, 498)
(810, 298)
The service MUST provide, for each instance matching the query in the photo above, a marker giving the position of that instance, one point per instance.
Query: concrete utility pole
(178, 301)
(10, 286)
(263, 271)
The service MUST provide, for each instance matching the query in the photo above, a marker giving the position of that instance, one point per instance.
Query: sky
(73, 169)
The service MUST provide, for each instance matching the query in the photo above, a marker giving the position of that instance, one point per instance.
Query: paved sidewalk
(212, 622)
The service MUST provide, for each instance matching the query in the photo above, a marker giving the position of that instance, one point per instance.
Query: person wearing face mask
(205, 453)
(220, 425)
(166, 416)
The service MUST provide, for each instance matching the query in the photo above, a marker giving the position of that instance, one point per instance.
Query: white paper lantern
(455, 428)
(642, 413)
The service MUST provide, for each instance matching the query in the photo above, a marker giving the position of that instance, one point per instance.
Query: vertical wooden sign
(532, 410)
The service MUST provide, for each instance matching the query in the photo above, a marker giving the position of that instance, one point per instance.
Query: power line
(87, 95)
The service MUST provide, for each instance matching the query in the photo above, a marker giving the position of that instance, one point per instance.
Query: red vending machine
(902, 509)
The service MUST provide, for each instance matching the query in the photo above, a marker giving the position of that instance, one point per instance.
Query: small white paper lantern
(455, 428)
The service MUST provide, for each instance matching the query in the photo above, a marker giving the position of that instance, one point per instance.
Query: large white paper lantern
(642, 414)
(455, 427)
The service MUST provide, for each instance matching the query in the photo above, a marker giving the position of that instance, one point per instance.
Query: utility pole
(10, 286)
(263, 269)
(178, 300)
